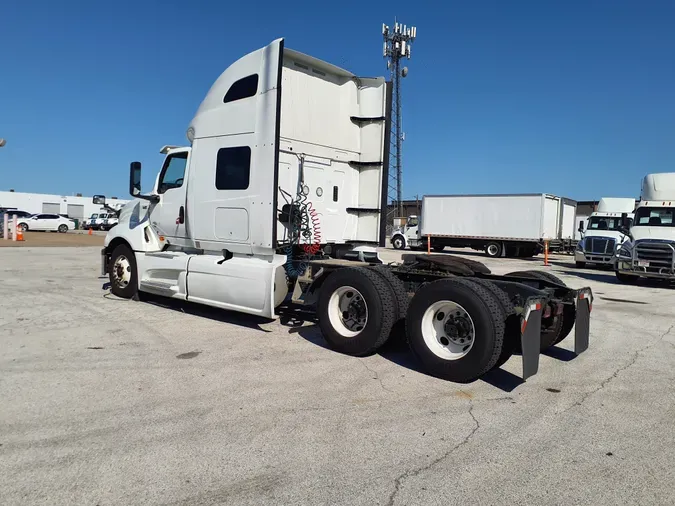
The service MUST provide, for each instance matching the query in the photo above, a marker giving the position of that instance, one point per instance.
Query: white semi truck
(604, 233)
(500, 225)
(650, 250)
(280, 197)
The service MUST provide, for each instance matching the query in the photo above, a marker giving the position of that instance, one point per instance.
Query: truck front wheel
(123, 272)
(398, 242)
(455, 329)
(356, 310)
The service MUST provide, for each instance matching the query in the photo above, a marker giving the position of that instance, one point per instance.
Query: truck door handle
(181, 216)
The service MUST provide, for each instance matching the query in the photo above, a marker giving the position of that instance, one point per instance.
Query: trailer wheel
(398, 242)
(437, 247)
(123, 272)
(493, 249)
(356, 310)
(455, 328)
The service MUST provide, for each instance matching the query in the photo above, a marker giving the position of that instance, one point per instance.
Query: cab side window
(173, 172)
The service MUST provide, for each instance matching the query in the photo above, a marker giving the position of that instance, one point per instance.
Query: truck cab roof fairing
(207, 123)
(208, 120)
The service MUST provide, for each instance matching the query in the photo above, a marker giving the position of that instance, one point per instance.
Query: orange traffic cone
(90, 232)
(19, 234)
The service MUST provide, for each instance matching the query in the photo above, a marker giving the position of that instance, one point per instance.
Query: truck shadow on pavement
(395, 350)
(202, 311)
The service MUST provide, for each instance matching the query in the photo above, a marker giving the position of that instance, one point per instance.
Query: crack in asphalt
(377, 377)
(632, 361)
(417, 471)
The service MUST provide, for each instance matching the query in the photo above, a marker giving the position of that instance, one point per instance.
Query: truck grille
(599, 245)
(658, 254)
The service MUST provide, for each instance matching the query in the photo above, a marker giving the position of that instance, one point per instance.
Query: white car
(47, 222)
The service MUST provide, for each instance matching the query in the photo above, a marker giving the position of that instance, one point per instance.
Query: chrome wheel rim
(347, 311)
(121, 271)
(448, 330)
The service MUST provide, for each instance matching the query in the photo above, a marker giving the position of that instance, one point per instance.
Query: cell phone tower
(397, 43)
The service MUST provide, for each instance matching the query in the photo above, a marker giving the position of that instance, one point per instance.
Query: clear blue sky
(574, 98)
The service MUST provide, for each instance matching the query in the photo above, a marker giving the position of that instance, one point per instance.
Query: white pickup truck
(280, 196)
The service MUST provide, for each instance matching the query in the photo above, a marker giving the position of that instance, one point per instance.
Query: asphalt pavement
(107, 401)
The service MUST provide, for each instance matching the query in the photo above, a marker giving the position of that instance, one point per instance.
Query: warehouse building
(77, 207)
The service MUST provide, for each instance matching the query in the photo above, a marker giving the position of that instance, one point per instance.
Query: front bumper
(595, 258)
(104, 262)
(633, 268)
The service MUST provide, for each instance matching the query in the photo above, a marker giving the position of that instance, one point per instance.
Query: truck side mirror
(625, 226)
(135, 179)
(99, 199)
(581, 226)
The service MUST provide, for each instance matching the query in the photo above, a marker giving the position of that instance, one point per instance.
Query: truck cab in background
(650, 250)
(604, 233)
(407, 235)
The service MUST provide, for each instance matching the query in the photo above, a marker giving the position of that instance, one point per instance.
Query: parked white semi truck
(604, 233)
(500, 225)
(650, 250)
(280, 197)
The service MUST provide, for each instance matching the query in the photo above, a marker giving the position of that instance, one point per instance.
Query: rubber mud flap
(530, 336)
(582, 325)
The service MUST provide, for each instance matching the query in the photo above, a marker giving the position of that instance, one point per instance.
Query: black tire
(493, 249)
(550, 277)
(486, 314)
(63, 229)
(401, 298)
(626, 278)
(398, 242)
(128, 290)
(379, 299)
(398, 288)
(23, 226)
(437, 247)
(511, 341)
(556, 328)
(580, 265)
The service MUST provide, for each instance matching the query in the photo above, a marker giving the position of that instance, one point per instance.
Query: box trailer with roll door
(500, 225)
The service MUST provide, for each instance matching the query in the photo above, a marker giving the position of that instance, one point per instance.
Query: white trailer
(280, 197)
(500, 225)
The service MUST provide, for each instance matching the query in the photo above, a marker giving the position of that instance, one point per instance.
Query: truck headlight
(625, 250)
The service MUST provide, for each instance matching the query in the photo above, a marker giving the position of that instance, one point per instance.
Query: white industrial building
(36, 203)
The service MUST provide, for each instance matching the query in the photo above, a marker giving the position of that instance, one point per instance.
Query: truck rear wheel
(511, 321)
(455, 328)
(493, 249)
(123, 272)
(356, 310)
(398, 242)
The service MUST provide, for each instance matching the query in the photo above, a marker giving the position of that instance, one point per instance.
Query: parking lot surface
(107, 401)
